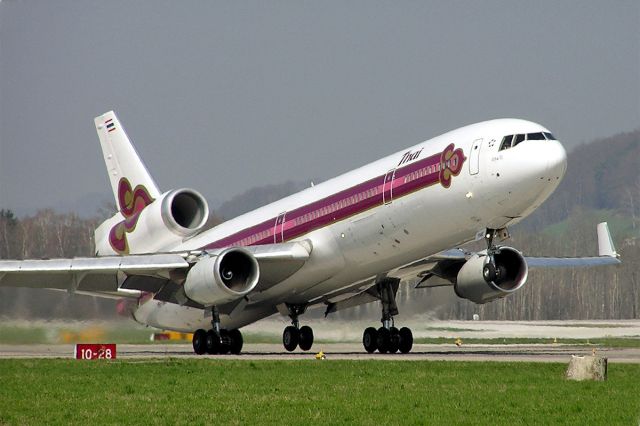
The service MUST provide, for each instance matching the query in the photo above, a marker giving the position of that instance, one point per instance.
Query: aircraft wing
(606, 254)
(441, 269)
(128, 276)
(450, 261)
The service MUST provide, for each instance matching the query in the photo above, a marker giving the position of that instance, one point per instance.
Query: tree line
(590, 293)
(602, 183)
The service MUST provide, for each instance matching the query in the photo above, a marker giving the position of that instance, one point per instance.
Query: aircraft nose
(557, 159)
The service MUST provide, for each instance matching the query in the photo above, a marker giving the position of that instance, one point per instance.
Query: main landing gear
(217, 340)
(388, 339)
(295, 336)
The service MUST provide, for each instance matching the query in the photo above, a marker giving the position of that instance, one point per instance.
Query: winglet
(605, 243)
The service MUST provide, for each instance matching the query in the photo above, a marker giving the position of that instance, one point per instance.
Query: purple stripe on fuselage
(342, 205)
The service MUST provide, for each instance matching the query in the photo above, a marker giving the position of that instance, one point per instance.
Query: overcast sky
(224, 96)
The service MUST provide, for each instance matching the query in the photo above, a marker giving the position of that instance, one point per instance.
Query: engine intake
(479, 282)
(173, 217)
(184, 211)
(223, 278)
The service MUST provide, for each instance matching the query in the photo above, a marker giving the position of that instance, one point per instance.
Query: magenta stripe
(349, 202)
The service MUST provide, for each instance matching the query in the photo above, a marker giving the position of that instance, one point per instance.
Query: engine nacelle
(223, 278)
(152, 225)
(479, 285)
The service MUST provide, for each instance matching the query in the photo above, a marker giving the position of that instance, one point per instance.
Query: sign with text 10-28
(95, 351)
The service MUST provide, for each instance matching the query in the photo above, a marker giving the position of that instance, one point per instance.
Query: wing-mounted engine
(224, 278)
(482, 280)
(145, 225)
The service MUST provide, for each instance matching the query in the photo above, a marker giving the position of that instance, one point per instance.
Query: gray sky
(224, 96)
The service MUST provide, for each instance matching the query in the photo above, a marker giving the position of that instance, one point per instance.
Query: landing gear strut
(295, 336)
(388, 339)
(217, 340)
(492, 272)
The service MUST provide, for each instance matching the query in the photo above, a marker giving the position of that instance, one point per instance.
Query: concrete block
(588, 367)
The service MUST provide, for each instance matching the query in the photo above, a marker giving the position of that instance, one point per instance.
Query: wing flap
(99, 274)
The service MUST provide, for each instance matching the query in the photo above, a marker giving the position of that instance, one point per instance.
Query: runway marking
(342, 351)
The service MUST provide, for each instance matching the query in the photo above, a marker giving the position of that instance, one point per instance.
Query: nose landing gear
(492, 272)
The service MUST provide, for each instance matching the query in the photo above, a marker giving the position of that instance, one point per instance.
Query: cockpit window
(506, 142)
(513, 140)
(535, 137)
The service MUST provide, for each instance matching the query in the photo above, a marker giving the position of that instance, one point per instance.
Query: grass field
(135, 334)
(310, 392)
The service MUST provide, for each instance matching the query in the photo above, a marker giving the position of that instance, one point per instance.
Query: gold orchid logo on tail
(451, 162)
(131, 203)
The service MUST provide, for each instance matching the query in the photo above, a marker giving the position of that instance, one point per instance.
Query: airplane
(350, 240)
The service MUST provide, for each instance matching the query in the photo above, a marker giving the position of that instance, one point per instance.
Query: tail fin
(127, 173)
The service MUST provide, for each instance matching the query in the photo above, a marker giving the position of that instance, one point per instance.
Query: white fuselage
(407, 206)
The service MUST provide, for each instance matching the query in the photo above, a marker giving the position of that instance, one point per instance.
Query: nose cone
(526, 176)
(547, 172)
(537, 161)
(557, 160)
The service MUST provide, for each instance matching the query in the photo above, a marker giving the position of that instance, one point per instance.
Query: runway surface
(350, 351)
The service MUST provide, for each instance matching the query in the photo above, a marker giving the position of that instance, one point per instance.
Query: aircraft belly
(170, 316)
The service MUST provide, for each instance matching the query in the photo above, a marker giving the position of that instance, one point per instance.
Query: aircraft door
(278, 228)
(387, 186)
(474, 157)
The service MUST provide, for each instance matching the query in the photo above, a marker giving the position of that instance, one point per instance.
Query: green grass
(33, 334)
(199, 392)
(608, 342)
(22, 335)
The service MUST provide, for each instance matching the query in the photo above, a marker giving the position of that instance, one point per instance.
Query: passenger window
(535, 137)
(518, 139)
(506, 142)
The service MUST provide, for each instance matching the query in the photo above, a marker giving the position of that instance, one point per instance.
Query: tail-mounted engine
(484, 277)
(224, 278)
(146, 225)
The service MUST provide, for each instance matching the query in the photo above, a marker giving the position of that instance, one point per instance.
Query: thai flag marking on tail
(110, 125)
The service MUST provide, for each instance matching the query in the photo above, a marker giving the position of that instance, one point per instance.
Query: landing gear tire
(369, 339)
(290, 338)
(406, 340)
(394, 340)
(199, 341)
(489, 272)
(213, 342)
(236, 341)
(225, 342)
(382, 341)
(305, 335)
